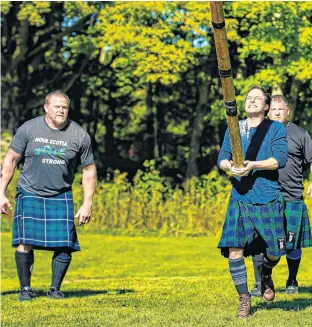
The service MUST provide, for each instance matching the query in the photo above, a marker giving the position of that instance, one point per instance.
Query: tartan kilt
(256, 228)
(298, 231)
(45, 223)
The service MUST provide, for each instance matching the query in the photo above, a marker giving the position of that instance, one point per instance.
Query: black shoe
(267, 288)
(291, 286)
(55, 293)
(256, 291)
(26, 294)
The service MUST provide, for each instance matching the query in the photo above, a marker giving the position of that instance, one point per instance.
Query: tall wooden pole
(225, 71)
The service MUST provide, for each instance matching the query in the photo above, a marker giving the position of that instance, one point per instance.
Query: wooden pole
(225, 71)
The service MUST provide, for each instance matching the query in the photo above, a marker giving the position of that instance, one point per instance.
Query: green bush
(150, 204)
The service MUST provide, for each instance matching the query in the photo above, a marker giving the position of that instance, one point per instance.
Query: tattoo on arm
(90, 168)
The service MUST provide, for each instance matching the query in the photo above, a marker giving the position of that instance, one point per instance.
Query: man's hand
(228, 165)
(84, 213)
(237, 172)
(244, 171)
(4, 202)
(249, 166)
(309, 192)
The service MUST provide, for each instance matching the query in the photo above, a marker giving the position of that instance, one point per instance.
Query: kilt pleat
(254, 228)
(298, 230)
(44, 222)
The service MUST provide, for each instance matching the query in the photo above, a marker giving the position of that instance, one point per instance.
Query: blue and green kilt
(298, 231)
(44, 222)
(256, 228)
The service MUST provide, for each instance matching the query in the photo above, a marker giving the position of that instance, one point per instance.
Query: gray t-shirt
(299, 157)
(51, 155)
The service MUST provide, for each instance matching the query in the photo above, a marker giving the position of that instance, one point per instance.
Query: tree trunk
(197, 128)
(293, 97)
(109, 119)
(150, 122)
(160, 118)
(157, 134)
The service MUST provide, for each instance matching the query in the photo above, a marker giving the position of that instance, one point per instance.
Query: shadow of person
(78, 293)
(293, 304)
(302, 290)
(84, 293)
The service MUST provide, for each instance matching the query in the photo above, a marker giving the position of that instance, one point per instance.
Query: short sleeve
(20, 139)
(307, 148)
(86, 154)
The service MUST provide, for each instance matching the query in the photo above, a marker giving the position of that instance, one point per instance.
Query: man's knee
(62, 255)
(236, 253)
(294, 254)
(24, 248)
(273, 258)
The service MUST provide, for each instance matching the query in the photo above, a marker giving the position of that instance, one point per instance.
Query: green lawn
(148, 281)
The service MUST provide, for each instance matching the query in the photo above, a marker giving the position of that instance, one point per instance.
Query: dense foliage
(142, 76)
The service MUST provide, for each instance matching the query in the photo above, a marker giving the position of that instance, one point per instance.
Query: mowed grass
(148, 281)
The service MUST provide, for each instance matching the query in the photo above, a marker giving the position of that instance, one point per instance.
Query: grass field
(148, 281)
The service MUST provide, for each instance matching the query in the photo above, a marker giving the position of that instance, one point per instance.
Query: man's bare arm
(268, 164)
(7, 172)
(225, 165)
(88, 185)
(309, 192)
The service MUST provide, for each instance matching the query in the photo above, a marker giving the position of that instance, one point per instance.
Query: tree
(142, 76)
(32, 35)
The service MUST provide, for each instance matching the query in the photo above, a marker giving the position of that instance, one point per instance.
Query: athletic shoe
(55, 293)
(267, 288)
(26, 294)
(291, 286)
(244, 307)
(256, 291)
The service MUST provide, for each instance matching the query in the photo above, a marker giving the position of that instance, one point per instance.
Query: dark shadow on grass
(80, 293)
(39, 293)
(294, 304)
(84, 293)
(303, 289)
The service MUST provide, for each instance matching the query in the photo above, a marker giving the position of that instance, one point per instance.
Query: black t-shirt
(299, 157)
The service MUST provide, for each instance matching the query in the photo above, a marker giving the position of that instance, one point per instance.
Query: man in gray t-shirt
(291, 181)
(51, 156)
(53, 147)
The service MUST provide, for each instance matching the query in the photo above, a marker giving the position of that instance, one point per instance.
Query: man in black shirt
(291, 181)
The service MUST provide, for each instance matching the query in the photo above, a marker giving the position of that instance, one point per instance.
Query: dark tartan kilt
(298, 230)
(256, 228)
(44, 222)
